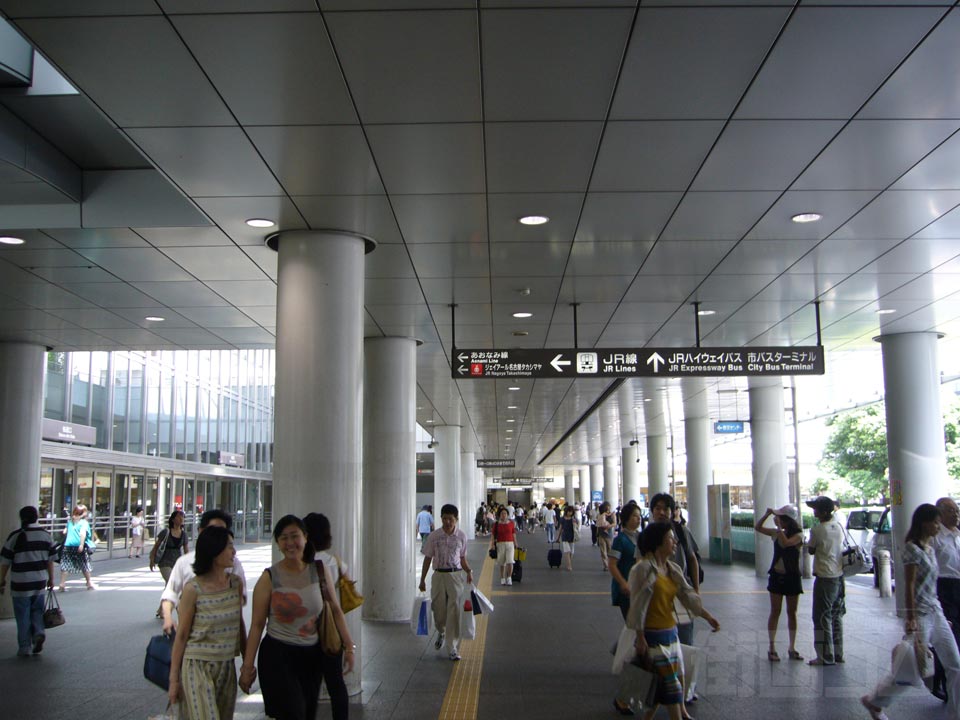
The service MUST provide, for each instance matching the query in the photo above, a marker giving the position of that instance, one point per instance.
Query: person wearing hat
(826, 546)
(785, 576)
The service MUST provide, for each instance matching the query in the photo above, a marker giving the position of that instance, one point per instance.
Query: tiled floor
(546, 653)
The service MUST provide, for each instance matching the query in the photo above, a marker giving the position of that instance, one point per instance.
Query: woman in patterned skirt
(655, 581)
(211, 634)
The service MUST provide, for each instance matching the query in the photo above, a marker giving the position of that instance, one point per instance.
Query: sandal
(876, 713)
(794, 655)
(622, 709)
(772, 656)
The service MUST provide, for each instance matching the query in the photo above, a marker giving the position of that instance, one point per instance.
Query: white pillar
(584, 475)
(769, 459)
(21, 418)
(630, 467)
(568, 486)
(611, 480)
(696, 429)
(658, 480)
(468, 498)
(319, 389)
(596, 479)
(389, 475)
(446, 471)
(915, 450)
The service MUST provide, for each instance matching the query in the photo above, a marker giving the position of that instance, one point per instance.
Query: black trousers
(332, 668)
(290, 679)
(948, 592)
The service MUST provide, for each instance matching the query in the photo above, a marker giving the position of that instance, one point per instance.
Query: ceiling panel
(540, 157)
(680, 257)
(184, 237)
(410, 66)
(451, 260)
(899, 214)
(231, 214)
(153, 80)
(529, 57)
(441, 218)
(938, 170)
(763, 257)
(829, 60)
(717, 50)
(607, 258)
(834, 207)
(98, 237)
(216, 317)
(429, 158)
(717, 215)
(617, 217)
(388, 261)
(520, 259)
(248, 292)
(841, 256)
(505, 211)
(136, 263)
(244, 51)
(185, 293)
(655, 155)
(215, 263)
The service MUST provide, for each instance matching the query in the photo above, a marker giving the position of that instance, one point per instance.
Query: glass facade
(172, 414)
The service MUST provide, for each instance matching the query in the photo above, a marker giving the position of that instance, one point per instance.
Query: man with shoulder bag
(27, 557)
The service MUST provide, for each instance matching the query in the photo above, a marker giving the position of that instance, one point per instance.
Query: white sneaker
(509, 581)
(503, 581)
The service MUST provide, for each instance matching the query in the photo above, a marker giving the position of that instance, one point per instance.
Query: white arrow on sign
(462, 358)
(557, 362)
(656, 359)
(463, 369)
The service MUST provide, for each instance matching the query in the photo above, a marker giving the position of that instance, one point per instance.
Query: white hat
(788, 510)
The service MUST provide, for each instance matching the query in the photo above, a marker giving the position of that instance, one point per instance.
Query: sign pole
(696, 321)
(576, 342)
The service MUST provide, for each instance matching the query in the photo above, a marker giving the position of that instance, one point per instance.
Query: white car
(882, 540)
(861, 526)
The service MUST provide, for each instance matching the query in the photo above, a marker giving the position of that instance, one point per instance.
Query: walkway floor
(542, 655)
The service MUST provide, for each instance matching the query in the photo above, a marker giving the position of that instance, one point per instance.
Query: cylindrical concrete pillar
(631, 473)
(319, 388)
(21, 418)
(915, 450)
(611, 480)
(468, 499)
(696, 430)
(654, 419)
(596, 479)
(568, 497)
(389, 475)
(446, 471)
(769, 459)
(585, 494)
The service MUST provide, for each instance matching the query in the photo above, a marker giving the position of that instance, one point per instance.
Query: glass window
(100, 405)
(80, 388)
(192, 453)
(120, 396)
(135, 426)
(55, 386)
(153, 409)
(166, 413)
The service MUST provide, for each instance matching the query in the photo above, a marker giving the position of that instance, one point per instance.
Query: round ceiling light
(534, 220)
(886, 311)
(511, 407)
(807, 217)
(522, 315)
(511, 420)
(260, 223)
(513, 388)
(705, 313)
(7, 240)
(154, 318)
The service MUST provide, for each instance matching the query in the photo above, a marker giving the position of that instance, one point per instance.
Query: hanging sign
(728, 427)
(497, 463)
(69, 432)
(637, 362)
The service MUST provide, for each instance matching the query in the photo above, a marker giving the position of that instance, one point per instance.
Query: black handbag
(156, 664)
(52, 614)
(492, 552)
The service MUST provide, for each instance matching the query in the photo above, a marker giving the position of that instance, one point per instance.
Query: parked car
(882, 540)
(861, 526)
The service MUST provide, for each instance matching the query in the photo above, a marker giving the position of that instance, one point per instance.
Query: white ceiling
(669, 143)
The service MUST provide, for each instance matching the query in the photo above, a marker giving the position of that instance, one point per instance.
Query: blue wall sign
(728, 427)
(596, 495)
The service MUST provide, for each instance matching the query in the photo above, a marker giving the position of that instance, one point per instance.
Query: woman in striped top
(211, 634)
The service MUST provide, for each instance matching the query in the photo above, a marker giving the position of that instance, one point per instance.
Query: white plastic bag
(468, 622)
(691, 661)
(171, 713)
(421, 617)
(625, 651)
(903, 660)
(485, 603)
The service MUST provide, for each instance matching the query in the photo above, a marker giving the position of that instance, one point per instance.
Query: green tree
(857, 451)
(951, 436)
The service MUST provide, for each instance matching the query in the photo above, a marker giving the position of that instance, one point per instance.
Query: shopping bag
(171, 713)
(911, 661)
(477, 610)
(691, 661)
(421, 619)
(638, 687)
(625, 651)
(468, 623)
(485, 604)
(519, 553)
(52, 614)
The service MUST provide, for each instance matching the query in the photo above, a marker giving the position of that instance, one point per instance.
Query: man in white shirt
(946, 545)
(548, 518)
(424, 523)
(826, 546)
(182, 572)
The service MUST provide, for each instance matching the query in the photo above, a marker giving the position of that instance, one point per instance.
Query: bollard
(806, 561)
(883, 571)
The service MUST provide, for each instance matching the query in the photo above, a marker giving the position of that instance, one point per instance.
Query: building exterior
(162, 430)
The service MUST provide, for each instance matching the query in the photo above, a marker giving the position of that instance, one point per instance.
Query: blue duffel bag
(156, 665)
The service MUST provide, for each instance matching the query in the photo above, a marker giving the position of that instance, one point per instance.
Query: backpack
(681, 534)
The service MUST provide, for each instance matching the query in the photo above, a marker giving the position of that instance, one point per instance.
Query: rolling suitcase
(517, 571)
(554, 557)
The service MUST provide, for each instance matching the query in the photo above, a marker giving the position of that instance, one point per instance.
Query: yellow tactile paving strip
(463, 691)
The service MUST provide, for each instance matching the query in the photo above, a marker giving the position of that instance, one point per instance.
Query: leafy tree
(857, 451)
(951, 433)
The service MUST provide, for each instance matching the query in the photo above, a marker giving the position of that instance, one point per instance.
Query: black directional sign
(497, 463)
(637, 362)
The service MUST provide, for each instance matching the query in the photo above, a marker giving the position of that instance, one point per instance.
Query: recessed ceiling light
(509, 429)
(647, 399)
(806, 217)
(154, 318)
(886, 311)
(520, 333)
(513, 388)
(260, 223)
(429, 421)
(7, 240)
(523, 314)
(704, 313)
(511, 407)
(511, 420)
(534, 220)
